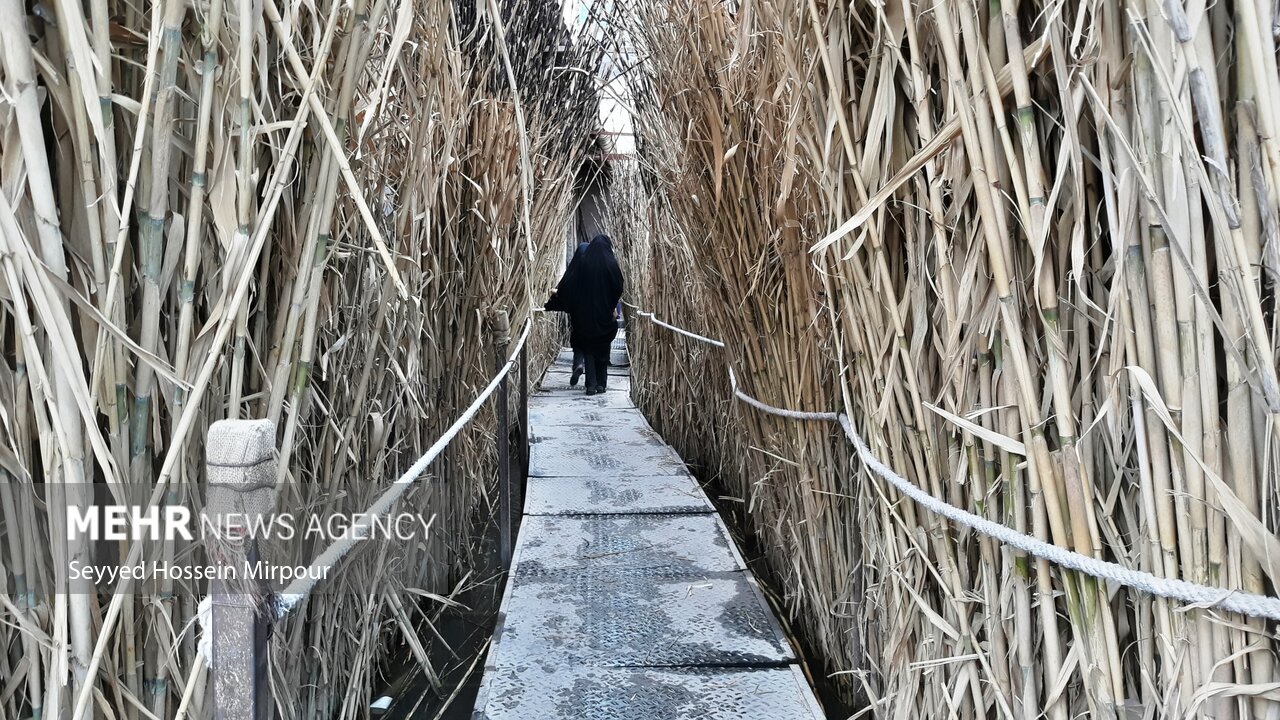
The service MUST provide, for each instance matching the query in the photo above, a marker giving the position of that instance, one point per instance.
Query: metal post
(240, 459)
(524, 410)
(501, 337)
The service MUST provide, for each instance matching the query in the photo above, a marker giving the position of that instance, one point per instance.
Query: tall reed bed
(300, 211)
(1030, 249)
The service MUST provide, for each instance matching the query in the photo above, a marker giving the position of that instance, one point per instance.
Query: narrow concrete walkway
(626, 599)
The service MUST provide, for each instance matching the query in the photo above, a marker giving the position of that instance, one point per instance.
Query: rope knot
(500, 326)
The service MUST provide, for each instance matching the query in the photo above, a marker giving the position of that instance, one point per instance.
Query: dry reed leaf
(1003, 442)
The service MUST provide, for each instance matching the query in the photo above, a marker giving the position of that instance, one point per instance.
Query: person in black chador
(589, 292)
(579, 360)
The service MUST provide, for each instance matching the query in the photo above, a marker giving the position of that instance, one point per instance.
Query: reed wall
(1029, 248)
(300, 211)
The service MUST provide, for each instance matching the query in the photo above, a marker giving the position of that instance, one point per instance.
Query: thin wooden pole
(501, 337)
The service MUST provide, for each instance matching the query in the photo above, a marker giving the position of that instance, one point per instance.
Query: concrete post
(240, 457)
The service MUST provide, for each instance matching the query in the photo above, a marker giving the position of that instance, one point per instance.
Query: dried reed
(302, 211)
(1030, 248)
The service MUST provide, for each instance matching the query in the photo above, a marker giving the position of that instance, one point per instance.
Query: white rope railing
(1237, 601)
(297, 590)
(1188, 592)
(780, 412)
(654, 319)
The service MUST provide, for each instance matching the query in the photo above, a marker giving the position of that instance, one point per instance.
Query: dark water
(459, 642)
(835, 704)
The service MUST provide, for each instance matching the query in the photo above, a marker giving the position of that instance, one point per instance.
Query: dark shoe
(573, 377)
(594, 391)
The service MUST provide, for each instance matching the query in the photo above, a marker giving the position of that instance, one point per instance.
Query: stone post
(240, 457)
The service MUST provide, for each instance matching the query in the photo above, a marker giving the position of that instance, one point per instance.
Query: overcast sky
(614, 116)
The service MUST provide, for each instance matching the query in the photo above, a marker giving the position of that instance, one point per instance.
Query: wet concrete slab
(599, 460)
(563, 415)
(542, 690)
(648, 617)
(609, 496)
(626, 597)
(695, 544)
(570, 401)
(558, 381)
(619, 434)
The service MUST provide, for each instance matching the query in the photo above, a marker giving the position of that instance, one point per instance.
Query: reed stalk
(1036, 280)
(325, 213)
